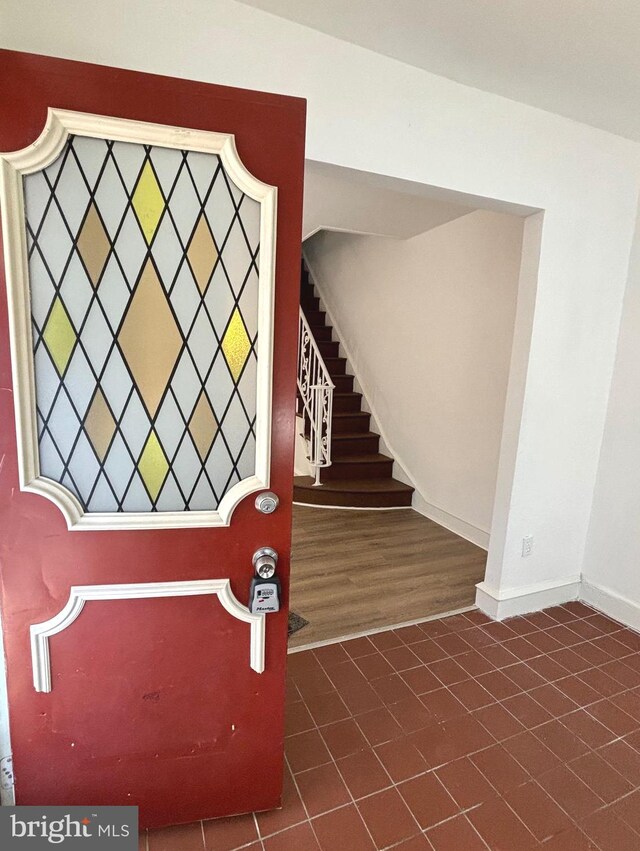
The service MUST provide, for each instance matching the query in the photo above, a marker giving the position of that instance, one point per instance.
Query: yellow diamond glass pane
(153, 466)
(93, 245)
(236, 345)
(150, 339)
(148, 202)
(202, 254)
(59, 336)
(144, 325)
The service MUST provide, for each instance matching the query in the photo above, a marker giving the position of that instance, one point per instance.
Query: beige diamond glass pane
(100, 425)
(203, 426)
(144, 294)
(202, 254)
(93, 245)
(150, 339)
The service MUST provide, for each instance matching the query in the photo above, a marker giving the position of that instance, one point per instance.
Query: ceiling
(578, 58)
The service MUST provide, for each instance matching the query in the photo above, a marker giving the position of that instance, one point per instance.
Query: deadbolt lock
(267, 502)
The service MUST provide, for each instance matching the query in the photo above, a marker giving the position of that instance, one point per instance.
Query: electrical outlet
(527, 545)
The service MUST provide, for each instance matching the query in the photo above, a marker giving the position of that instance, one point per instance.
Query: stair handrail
(315, 390)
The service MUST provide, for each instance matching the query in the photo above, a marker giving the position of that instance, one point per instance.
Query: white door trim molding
(37, 156)
(80, 594)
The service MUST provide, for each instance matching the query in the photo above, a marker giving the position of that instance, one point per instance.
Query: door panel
(150, 301)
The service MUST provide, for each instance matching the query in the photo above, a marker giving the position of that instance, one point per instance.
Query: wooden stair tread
(354, 435)
(355, 485)
(340, 414)
(361, 458)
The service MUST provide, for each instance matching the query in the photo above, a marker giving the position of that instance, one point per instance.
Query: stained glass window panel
(143, 270)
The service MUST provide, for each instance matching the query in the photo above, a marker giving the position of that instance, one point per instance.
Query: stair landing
(353, 493)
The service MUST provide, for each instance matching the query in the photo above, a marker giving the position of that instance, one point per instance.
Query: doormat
(296, 622)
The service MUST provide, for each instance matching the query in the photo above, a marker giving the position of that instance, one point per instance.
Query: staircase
(359, 476)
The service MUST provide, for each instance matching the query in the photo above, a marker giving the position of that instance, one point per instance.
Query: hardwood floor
(358, 570)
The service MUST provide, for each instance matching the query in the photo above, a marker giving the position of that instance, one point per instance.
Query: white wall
(429, 325)
(372, 113)
(612, 560)
(345, 199)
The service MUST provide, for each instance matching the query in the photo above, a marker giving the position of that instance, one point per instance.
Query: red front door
(143, 309)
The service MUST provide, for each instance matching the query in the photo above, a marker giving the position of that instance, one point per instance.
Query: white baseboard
(611, 603)
(530, 598)
(454, 524)
(354, 507)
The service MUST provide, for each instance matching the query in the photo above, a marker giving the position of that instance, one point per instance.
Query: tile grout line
(624, 689)
(263, 836)
(573, 821)
(462, 814)
(477, 832)
(494, 699)
(302, 801)
(504, 670)
(500, 794)
(567, 763)
(257, 827)
(394, 783)
(333, 760)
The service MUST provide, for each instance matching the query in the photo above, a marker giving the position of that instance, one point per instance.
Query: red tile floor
(459, 734)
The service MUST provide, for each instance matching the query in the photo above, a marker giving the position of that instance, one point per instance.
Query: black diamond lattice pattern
(143, 266)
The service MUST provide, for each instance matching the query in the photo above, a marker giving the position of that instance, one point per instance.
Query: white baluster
(315, 389)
